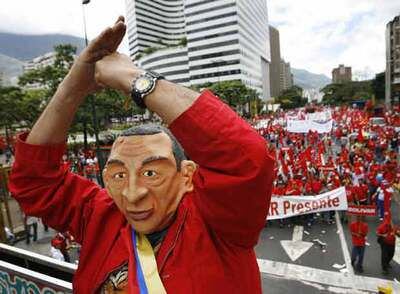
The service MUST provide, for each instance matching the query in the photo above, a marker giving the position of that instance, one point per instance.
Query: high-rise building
(392, 84)
(341, 74)
(193, 42)
(40, 61)
(286, 77)
(153, 24)
(275, 66)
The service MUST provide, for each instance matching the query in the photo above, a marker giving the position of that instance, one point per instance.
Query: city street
(321, 268)
(182, 120)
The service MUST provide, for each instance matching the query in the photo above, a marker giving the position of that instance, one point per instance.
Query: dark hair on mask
(152, 129)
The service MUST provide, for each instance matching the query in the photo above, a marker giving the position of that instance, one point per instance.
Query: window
(208, 46)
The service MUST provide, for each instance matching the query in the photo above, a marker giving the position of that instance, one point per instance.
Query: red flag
(360, 137)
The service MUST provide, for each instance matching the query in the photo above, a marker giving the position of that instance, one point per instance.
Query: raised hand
(53, 124)
(116, 71)
(81, 76)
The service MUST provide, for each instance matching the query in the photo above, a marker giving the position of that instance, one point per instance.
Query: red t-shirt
(59, 242)
(308, 187)
(386, 228)
(316, 186)
(278, 191)
(361, 192)
(359, 231)
(349, 194)
(292, 191)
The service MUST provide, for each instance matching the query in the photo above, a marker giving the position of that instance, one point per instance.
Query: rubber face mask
(142, 178)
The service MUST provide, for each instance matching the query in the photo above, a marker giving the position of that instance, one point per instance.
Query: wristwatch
(143, 85)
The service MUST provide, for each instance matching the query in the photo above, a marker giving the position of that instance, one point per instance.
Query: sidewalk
(42, 245)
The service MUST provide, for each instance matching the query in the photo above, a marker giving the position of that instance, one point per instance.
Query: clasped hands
(99, 65)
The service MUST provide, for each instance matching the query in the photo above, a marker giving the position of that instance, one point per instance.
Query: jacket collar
(167, 246)
(173, 233)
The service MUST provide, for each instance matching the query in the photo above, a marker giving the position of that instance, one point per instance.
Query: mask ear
(188, 168)
(106, 180)
(104, 175)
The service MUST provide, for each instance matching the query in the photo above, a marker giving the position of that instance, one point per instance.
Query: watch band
(137, 95)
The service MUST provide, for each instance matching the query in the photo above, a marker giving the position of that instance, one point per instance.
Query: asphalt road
(322, 268)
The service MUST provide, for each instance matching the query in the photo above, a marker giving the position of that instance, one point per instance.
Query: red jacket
(209, 247)
(359, 231)
(385, 228)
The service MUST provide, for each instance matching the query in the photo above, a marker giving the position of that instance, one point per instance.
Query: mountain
(27, 47)
(10, 66)
(308, 80)
(9, 69)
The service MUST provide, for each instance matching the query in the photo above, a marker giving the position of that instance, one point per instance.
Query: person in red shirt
(279, 188)
(359, 231)
(308, 186)
(317, 186)
(360, 193)
(60, 242)
(156, 204)
(386, 233)
(292, 188)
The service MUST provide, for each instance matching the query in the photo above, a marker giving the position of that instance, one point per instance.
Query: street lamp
(84, 2)
(93, 105)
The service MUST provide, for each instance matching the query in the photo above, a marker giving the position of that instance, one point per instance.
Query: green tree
(30, 106)
(235, 94)
(112, 104)
(347, 93)
(183, 41)
(291, 98)
(10, 114)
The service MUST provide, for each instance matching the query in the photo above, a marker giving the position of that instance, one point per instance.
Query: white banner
(288, 206)
(320, 115)
(304, 126)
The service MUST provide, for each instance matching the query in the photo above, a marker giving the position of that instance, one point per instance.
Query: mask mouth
(140, 215)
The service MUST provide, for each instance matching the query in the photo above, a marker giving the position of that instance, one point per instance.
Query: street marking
(296, 247)
(341, 280)
(343, 244)
(396, 257)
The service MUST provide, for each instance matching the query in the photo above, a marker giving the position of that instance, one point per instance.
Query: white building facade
(40, 61)
(392, 75)
(204, 40)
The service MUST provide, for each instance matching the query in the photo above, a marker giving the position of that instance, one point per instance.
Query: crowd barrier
(23, 271)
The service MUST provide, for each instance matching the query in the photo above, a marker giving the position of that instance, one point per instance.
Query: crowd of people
(358, 154)
(83, 162)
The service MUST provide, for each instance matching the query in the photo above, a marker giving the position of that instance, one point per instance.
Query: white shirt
(56, 253)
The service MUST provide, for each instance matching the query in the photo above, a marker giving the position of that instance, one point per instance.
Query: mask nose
(134, 192)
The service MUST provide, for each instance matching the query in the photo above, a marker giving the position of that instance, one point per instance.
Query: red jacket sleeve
(233, 183)
(45, 188)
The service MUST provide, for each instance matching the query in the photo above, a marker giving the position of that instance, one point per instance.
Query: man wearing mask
(164, 224)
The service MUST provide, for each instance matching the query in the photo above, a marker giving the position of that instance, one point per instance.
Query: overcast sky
(315, 35)
(60, 16)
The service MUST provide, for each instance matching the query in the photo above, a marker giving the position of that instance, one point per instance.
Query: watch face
(142, 84)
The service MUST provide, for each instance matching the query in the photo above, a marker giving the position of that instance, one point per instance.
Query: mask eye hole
(119, 176)
(149, 173)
